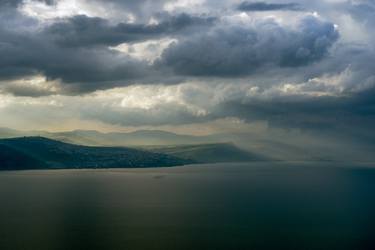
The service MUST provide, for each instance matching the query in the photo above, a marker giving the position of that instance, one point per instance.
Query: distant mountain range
(271, 149)
(260, 145)
(208, 153)
(43, 153)
(162, 138)
(95, 138)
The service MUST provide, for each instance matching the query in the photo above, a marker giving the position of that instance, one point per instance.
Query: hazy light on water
(214, 207)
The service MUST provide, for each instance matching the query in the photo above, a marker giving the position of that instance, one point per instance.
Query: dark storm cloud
(15, 3)
(87, 31)
(236, 50)
(263, 6)
(26, 91)
(27, 54)
(10, 3)
(351, 66)
(350, 115)
(75, 49)
(348, 108)
(65, 50)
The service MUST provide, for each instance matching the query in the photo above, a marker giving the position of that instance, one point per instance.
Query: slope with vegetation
(39, 152)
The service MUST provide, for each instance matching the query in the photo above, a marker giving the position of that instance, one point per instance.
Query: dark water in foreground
(229, 206)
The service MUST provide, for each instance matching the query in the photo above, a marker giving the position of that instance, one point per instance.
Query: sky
(190, 66)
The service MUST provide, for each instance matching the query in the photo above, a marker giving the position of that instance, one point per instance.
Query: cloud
(363, 13)
(16, 3)
(79, 31)
(77, 50)
(263, 6)
(236, 49)
(30, 54)
(148, 105)
(82, 52)
(157, 105)
(36, 86)
(115, 63)
(342, 117)
(10, 3)
(321, 105)
(361, 10)
(138, 10)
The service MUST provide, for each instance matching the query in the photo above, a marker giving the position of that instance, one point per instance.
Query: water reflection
(246, 206)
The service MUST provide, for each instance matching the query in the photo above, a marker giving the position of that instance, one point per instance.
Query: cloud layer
(263, 6)
(305, 66)
(77, 50)
(236, 49)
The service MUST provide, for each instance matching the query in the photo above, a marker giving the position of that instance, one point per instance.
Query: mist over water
(222, 206)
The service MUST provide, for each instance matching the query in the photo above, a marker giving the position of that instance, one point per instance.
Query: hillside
(96, 138)
(28, 152)
(141, 137)
(12, 159)
(272, 148)
(208, 153)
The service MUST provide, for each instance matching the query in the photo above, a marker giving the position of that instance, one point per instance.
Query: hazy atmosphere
(300, 73)
(187, 124)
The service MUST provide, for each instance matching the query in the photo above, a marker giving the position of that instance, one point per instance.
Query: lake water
(226, 206)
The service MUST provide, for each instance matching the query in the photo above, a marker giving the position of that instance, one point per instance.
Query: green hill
(12, 159)
(39, 152)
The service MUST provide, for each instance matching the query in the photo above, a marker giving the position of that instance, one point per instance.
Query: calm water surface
(226, 206)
